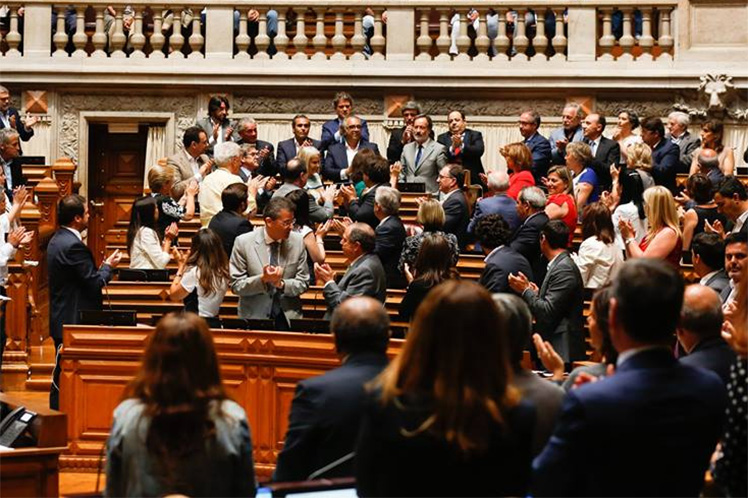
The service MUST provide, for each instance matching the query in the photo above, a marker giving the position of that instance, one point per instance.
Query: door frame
(107, 117)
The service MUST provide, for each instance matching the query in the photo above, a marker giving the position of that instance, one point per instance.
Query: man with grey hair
(247, 131)
(496, 202)
(707, 163)
(10, 118)
(390, 235)
(10, 149)
(677, 125)
(402, 136)
(526, 240)
(529, 122)
(227, 156)
(365, 275)
(295, 176)
(699, 332)
(570, 131)
(340, 155)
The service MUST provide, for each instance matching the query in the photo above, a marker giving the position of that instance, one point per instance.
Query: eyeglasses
(287, 223)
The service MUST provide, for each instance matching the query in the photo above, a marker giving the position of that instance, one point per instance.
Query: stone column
(401, 25)
(219, 32)
(37, 35)
(582, 43)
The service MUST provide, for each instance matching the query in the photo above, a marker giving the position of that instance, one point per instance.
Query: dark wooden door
(116, 168)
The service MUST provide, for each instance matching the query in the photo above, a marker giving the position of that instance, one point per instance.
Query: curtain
(154, 149)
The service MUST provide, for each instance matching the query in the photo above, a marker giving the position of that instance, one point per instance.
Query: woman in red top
(561, 204)
(664, 239)
(519, 164)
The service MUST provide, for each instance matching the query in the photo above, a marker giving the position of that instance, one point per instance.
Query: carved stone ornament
(492, 107)
(717, 98)
(278, 104)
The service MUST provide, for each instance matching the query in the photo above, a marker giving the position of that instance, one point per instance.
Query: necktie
(274, 250)
(276, 310)
(419, 154)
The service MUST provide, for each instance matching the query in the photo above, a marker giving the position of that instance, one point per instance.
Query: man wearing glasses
(340, 155)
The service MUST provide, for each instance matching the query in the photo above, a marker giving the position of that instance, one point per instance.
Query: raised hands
(272, 275)
(113, 259)
(20, 237)
(550, 359)
(323, 273)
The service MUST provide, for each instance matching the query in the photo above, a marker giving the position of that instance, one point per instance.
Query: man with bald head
(340, 155)
(326, 410)
(496, 202)
(699, 332)
(708, 164)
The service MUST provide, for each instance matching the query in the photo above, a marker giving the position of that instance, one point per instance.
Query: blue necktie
(418, 154)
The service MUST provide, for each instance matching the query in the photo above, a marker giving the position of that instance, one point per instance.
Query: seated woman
(664, 239)
(599, 259)
(561, 204)
(699, 189)
(579, 161)
(712, 133)
(202, 278)
(444, 418)
(147, 252)
(519, 165)
(431, 217)
(433, 266)
(597, 322)
(177, 432)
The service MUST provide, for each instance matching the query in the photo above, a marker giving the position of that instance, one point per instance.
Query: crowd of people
(458, 402)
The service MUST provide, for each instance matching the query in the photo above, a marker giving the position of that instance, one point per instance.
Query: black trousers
(54, 390)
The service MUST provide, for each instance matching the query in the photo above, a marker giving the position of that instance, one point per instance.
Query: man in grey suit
(191, 162)
(570, 131)
(424, 157)
(294, 178)
(677, 125)
(217, 124)
(365, 275)
(268, 267)
(557, 306)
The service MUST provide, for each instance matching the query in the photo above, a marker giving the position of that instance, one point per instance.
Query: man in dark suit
(501, 260)
(331, 133)
(294, 178)
(455, 205)
(665, 154)
(376, 174)
(699, 332)
(604, 150)
(74, 281)
(247, 131)
(463, 146)
(340, 155)
(402, 136)
(732, 201)
(650, 428)
(708, 258)
(526, 239)
(559, 303)
(11, 119)
(677, 124)
(230, 222)
(529, 122)
(288, 149)
(736, 256)
(390, 234)
(10, 151)
(365, 275)
(326, 410)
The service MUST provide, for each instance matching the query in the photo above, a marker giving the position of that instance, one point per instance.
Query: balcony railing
(539, 31)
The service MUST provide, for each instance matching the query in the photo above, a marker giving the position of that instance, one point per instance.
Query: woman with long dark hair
(433, 266)
(444, 418)
(202, 278)
(598, 258)
(177, 432)
(146, 250)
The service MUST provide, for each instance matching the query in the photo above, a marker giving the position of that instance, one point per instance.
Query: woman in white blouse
(147, 251)
(599, 259)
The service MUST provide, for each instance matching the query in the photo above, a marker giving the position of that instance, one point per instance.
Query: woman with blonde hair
(640, 160)
(444, 418)
(431, 217)
(561, 204)
(312, 158)
(519, 164)
(664, 239)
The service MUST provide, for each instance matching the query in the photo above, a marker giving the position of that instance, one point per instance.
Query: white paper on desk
(6, 448)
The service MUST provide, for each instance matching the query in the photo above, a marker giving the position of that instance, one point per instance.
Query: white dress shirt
(146, 252)
(597, 261)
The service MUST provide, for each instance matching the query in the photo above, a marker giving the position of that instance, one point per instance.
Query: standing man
(268, 267)
(496, 202)
(732, 200)
(665, 154)
(228, 160)
(340, 155)
(570, 131)
(736, 257)
(463, 145)
(424, 157)
(390, 235)
(501, 260)
(451, 178)
(230, 222)
(604, 150)
(331, 134)
(708, 256)
(526, 240)
(295, 176)
(10, 150)
(287, 149)
(217, 124)
(674, 412)
(11, 119)
(247, 130)
(677, 124)
(74, 281)
(191, 162)
(400, 137)
(529, 122)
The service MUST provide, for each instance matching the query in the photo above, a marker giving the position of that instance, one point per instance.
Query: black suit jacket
(526, 241)
(499, 265)
(362, 209)
(390, 237)
(229, 225)
(469, 155)
(268, 166)
(324, 419)
(74, 281)
(558, 308)
(287, 151)
(24, 134)
(608, 152)
(712, 354)
(457, 217)
(337, 159)
(665, 163)
(395, 145)
(718, 281)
